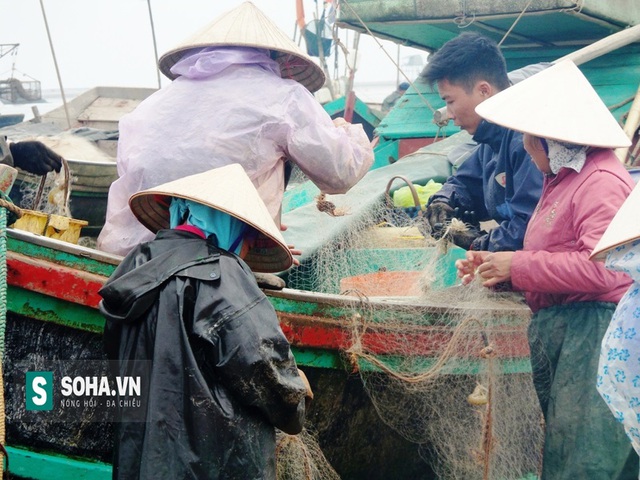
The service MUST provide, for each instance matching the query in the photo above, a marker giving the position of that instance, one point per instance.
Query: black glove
(466, 238)
(437, 215)
(35, 157)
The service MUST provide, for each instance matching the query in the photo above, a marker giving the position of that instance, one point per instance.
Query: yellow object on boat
(50, 225)
(404, 198)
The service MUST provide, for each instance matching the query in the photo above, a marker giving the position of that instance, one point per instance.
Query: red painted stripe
(304, 331)
(54, 280)
(426, 341)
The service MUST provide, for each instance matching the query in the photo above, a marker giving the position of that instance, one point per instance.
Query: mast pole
(155, 46)
(55, 62)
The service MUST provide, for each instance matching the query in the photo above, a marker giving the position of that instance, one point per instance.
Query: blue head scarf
(228, 231)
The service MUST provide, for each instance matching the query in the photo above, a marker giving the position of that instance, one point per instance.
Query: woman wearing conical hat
(570, 134)
(241, 93)
(619, 370)
(184, 313)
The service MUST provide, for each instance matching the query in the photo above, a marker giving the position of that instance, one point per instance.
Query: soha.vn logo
(39, 390)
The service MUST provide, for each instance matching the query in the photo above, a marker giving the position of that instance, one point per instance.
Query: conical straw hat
(247, 26)
(558, 103)
(227, 189)
(624, 227)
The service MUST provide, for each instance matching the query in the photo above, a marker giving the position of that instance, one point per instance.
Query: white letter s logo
(40, 397)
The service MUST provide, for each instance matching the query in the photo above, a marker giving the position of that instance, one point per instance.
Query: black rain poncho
(222, 373)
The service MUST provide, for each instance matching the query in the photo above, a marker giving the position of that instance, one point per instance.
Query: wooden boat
(53, 296)
(93, 119)
(52, 315)
(10, 119)
(362, 113)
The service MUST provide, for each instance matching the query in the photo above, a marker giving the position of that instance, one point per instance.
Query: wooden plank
(55, 280)
(46, 466)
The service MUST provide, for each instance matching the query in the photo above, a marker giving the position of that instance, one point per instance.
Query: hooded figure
(241, 93)
(570, 135)
(184, 313)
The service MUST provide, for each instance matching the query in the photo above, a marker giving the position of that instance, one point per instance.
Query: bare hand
(294, 250)
(467, 267)
(339, 122)
(496, 268)
(309, 393)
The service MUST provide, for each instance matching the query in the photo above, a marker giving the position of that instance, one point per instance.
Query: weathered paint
(55, 280)
(423, 341)
(76, 260)
(48, 466)
(427, 24)
(46, 308)
(49, 292)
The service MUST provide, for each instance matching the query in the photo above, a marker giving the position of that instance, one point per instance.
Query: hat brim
(623, 229)
(269, 253)
(558, 103)
(247, 26)
(292, 65)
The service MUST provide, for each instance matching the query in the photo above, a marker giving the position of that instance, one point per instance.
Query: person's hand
(35, 157)
(437, 215)
(339, 122)
(467, 267)
(309, 395)
(294, 250)
(496, 268)
(465, 238)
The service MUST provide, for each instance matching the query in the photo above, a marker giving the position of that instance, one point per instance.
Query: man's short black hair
(465, 60)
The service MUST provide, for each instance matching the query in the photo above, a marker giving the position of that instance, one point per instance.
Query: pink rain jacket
(572, 214)
(229, 106)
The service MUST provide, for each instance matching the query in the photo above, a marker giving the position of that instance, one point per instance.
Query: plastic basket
(51, 225)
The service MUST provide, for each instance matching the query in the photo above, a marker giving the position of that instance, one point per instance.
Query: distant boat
(11, 119)
(93, 118)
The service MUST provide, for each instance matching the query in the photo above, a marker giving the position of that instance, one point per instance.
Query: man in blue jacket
(498, 181)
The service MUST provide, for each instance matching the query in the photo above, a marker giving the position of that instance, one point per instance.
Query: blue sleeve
(464, 188)
(524, 191)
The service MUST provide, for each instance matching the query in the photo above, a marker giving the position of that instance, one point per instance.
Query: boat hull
(53, 319)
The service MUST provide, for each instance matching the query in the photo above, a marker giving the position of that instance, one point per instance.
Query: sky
(110, 42)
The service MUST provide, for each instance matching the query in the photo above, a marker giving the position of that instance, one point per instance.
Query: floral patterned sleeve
(619, 370)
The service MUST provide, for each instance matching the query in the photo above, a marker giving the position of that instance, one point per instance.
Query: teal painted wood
(385, 153)
(43, 466)
(69, 259)
(428, 24)
(614, 76)
(338, 106)
(50, 309)
(412, 259)
(455, 367)
(299, 195)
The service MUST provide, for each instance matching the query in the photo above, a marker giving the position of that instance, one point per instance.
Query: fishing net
(446, 366)
(299, 457)
(47, 195)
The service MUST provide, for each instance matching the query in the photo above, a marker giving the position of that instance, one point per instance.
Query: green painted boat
(52, 317)
(53, 285)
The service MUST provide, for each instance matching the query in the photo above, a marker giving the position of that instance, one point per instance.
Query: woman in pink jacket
(569, 133)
